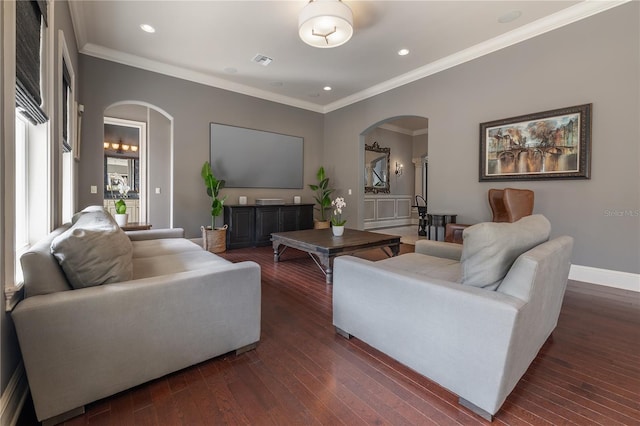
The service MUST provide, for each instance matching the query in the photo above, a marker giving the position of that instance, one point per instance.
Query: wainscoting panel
(381, 211)
(369, 210)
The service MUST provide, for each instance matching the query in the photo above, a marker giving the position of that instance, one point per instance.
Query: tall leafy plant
(323, 193)
(213, 186)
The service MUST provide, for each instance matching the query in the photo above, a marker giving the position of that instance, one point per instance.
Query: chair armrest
(439, 249)
(154, 234)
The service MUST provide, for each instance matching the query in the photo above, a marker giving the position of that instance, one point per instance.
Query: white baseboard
(13, 397)
(605, 277)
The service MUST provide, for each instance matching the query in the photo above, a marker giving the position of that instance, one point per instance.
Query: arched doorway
(406, 138)
(149, 169)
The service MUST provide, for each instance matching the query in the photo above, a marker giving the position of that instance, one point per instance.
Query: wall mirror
(376, 168)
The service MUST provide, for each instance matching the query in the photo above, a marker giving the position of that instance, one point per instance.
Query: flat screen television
(248, 158)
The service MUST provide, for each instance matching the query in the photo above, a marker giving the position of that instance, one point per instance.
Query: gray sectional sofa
(105, 311)
(471, 317)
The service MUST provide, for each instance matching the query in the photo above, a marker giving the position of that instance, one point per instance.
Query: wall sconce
(399, 169)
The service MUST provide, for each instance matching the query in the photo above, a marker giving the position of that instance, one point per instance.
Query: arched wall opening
(155, 159)
(406, 137)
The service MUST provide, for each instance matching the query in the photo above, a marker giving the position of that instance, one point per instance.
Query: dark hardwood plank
(302, 373)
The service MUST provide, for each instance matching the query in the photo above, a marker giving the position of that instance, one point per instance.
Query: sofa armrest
(439, 249)
(154, 234)
(82, 345)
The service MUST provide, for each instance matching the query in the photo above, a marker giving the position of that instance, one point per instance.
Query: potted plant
(213, 239)
(337, 223)
(322, 197)
(123, 190)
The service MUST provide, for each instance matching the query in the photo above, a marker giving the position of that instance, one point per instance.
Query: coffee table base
(325, 249)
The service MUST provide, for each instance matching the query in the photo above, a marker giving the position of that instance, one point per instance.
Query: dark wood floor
(302, 373)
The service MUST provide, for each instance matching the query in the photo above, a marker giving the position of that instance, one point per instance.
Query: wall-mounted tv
(247, 158)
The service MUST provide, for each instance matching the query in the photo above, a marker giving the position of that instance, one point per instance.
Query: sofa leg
(60, 418)
(343, 333)
(247, 348)
(479, 411)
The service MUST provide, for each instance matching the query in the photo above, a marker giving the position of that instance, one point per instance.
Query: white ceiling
(213, 42)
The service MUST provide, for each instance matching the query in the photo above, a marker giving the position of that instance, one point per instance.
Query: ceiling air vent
(262, 60)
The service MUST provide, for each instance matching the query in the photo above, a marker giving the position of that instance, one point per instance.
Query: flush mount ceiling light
(325, 23)
(147, 28)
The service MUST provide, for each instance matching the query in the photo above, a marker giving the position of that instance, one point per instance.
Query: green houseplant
(214, 239)
(322, 197)
(120, 205)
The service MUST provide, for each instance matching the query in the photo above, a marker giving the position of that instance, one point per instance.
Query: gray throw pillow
(88, 209)
(489, 249)
(94, 251)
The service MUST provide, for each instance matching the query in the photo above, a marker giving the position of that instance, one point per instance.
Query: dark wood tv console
(251, 225)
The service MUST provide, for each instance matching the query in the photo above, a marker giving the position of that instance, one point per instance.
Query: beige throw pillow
(489, 249)
(94, 251)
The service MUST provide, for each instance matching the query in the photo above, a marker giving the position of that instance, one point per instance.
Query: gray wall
(192, 106)
(595, 60)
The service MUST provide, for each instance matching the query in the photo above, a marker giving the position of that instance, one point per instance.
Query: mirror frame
(378, 189)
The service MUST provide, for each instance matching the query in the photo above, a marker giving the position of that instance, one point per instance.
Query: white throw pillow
(489, 249)
(94, 251)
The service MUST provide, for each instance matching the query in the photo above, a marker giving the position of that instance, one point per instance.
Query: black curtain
(29, 15)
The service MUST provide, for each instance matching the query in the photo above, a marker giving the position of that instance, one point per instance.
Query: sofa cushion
(94, 251)
(146, 267)
(41, 271)
(162, 246)
(422, 264)
(489, 249)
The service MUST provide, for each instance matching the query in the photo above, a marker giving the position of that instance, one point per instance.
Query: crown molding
(541, 26)
(557, 20)
(190, 75)
(76, 9)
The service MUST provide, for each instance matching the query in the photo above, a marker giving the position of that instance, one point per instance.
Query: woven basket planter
(214, 240)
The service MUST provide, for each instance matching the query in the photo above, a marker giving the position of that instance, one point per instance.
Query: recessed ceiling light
(326, 88)
(147, 28)
(403, 52)
(509, 17)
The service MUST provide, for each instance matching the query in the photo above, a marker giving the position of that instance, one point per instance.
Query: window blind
(29, 15)
(66, 90)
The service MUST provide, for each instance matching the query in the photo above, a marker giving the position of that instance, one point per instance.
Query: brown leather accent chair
(507, 205)
(453, 232)
(510, 204)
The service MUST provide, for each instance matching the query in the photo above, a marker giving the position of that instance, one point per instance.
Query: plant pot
(214, 240)
(337, 230)
(320, 224)
(122, 219)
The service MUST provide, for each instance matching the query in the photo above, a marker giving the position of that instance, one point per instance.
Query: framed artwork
(553, 144)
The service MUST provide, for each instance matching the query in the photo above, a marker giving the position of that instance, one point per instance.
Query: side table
(136, 226)
(439, 220)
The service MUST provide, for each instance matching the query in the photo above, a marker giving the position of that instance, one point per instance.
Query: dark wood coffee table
(322, 244)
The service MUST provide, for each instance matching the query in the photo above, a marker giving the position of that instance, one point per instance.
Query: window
(66, 125)
(29, 196)
(21, 234)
